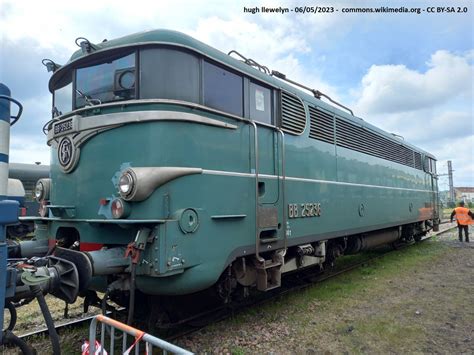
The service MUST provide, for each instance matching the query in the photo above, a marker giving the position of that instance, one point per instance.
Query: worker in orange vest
(464, 218)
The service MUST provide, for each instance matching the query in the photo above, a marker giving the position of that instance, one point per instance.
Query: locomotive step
(269, 240)
(268, 275)
(268, 264)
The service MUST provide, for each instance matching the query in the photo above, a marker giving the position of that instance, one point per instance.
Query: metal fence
(138, 337)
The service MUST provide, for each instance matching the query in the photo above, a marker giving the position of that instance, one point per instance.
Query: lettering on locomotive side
(62, 127)
(302, 210)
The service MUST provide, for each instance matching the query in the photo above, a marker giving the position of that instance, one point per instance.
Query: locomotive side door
(269, 178)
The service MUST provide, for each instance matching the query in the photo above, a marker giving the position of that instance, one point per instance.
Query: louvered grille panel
(362, 140)
(293, 117)
(321, 125)
(418, 163)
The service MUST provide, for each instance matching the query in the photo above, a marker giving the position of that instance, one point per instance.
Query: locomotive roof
(175, 38)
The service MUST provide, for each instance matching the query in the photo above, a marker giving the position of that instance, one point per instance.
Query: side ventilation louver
(293, 116)
(362, 140)
(321, 125)
(418, 163)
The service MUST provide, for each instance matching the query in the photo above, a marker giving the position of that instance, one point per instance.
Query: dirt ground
(418, 305)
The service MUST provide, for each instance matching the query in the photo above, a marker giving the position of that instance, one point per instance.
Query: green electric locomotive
(176, 168)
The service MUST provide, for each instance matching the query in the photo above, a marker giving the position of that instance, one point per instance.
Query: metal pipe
(28, 248)
(53, 335)
(316, 93)
(10, 338)
(131, 304)
(108, 261)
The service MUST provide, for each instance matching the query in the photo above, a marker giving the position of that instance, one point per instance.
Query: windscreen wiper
(89, 100)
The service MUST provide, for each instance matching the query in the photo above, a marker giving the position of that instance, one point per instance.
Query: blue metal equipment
(43, 275)
(9, 211)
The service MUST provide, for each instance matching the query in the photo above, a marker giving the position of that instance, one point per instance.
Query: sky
(407, 73)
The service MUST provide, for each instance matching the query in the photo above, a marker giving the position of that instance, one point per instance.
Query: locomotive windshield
(106, 82)
(63, 97)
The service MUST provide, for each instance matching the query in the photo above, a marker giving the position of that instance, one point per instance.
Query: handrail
(257, 236)
(20, 108)
(283, 180)
(316, 93)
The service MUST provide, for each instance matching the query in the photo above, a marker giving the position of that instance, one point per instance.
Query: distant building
(464, 193)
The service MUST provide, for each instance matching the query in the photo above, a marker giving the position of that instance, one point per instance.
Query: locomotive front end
(133, 188)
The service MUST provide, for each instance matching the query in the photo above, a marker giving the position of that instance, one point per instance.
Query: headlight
(126, 184)
(42, 189)
(120, 208)
(39, 191)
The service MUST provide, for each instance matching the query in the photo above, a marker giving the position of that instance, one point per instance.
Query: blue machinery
(8, 209)
(32, 284)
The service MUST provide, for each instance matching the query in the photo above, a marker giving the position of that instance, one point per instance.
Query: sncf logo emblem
(65, 151)
(67, 154)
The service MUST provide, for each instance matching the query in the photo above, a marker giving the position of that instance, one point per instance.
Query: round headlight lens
(42, 189)
(126, 184)
(39, 191)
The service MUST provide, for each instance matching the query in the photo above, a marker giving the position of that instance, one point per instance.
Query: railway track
(200, 321)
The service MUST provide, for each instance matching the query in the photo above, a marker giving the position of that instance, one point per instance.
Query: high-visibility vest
(462, 216)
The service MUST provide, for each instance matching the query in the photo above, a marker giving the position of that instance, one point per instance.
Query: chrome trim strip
(237, 174)
(229, 173)
(108, 221)
(112, 120)
(229, 216)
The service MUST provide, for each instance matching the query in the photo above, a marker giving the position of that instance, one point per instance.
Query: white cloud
(460, 152)
(395, 88)
(29, 149)
(432, 110)
(275, 45)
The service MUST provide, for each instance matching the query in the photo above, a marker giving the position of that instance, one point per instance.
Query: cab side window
(223, 90)
(430, 165)
(169, 74)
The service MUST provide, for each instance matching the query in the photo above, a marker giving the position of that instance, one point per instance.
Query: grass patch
(378, 332)
(348, 286)
(405, 260)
